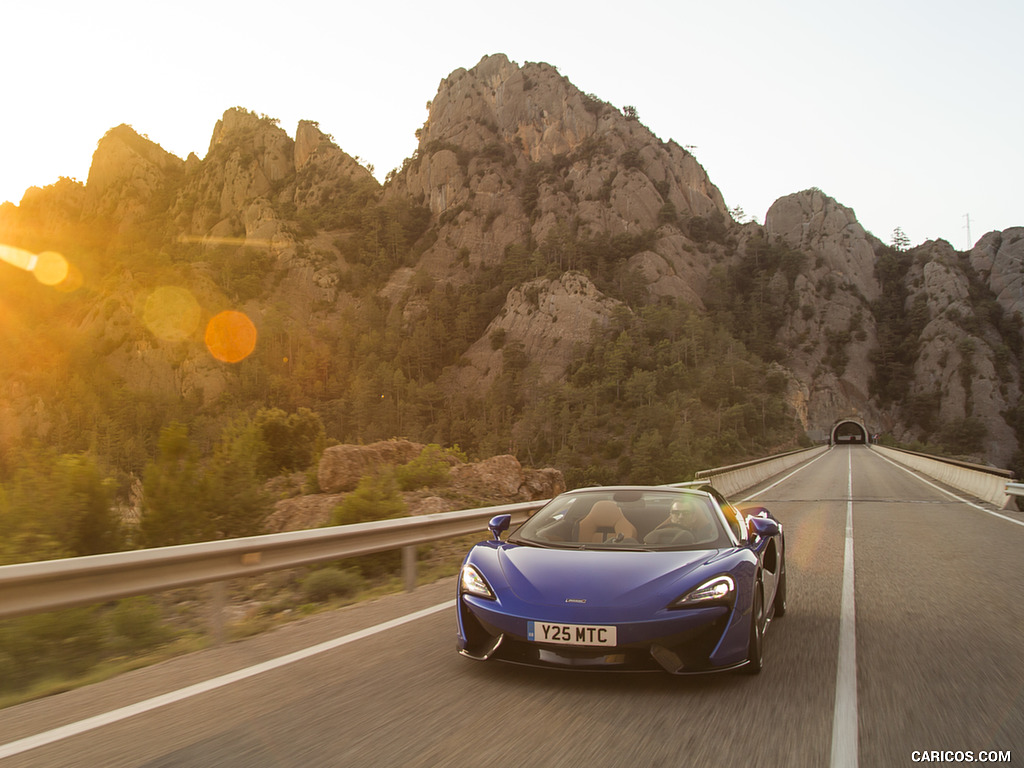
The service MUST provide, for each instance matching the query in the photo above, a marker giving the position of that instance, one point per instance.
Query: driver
(690, 516)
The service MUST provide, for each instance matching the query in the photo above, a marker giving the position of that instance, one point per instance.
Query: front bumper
(685, 641)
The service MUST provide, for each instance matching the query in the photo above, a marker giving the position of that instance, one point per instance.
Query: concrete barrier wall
(731, 480)
(982, 485)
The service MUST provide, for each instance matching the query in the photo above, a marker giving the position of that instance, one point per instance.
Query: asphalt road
(939, 634)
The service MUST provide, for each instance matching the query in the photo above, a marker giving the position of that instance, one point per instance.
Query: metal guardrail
(49, 585)
(1015, 489)
(54, 584)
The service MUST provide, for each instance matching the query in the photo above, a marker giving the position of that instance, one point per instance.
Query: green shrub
(137, 621)
(61, 643)
(427, 470)
(375, 498)
(668, 213)
(631, 159)
(323, 584)
(8, 670)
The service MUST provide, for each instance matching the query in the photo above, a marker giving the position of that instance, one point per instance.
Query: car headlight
(720, 589)
(472, 583)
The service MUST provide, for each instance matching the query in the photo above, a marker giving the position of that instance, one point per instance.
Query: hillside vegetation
(543, 277)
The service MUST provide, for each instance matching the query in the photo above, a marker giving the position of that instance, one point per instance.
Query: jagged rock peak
(259, 134)
(43, 210)
(122, 155)
(238, 122)
(308, 139)
(515, 147)
(126, 170)
(815, 223)
(531, 106)
(313, 147)
(998, 258)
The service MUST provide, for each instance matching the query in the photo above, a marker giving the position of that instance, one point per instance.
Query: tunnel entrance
(849, 431)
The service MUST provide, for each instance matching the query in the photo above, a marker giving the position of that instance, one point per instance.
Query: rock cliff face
(547, 319)
(831, 308)
(961, 370)
(496, 480)
(963, 365)
(999, 259)
(129, 175)
(814, 223)
(568, 203)
(513, 155)
(57, 208)
(510, 153)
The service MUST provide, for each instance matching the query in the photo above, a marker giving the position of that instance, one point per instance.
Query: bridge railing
(732, 479)
(987, 483)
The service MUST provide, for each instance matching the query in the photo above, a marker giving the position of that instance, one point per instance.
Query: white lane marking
(98, 721)
(844, 717)
(948, 493)
(784, 479)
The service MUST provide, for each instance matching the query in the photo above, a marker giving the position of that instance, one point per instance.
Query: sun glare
(49, 267)
(214, 240)
(74, 280)
(230, 336)
(171, 313)
(17, 257)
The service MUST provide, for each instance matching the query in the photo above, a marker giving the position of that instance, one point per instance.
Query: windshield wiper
(532, 543)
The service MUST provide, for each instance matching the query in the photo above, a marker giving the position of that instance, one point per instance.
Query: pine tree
(900, 241)
(173, 509)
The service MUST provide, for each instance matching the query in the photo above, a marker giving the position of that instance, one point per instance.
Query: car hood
(600, 578)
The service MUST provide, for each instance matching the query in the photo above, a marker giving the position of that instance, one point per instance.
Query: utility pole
(970, 243)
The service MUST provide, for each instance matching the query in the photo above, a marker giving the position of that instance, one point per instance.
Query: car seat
(605, 520)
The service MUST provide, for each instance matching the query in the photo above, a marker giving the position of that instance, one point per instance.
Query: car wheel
(780, 593)
(755, 648)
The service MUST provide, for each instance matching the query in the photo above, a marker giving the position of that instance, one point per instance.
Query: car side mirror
(499, 524)
(762, 527)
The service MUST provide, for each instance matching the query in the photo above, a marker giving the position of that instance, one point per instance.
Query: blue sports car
(633, 578)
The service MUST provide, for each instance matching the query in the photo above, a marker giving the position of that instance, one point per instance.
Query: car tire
(755, 647)
(780, 594)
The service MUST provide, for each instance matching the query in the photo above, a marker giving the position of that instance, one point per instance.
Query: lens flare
(230, 336)
(212, 240)
(51, 268)
(18, 257)
(171, 313)
(73, 281)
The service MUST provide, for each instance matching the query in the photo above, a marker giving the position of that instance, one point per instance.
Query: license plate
(569, 634)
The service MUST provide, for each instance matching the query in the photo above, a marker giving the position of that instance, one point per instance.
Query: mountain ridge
(531, 217)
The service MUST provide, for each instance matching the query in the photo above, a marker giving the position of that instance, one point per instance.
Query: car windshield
(627, 519)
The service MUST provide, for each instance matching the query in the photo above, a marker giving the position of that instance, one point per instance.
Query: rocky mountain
(960, 340)
(542, 265)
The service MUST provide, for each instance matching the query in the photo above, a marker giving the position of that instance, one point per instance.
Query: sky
(909, 112)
